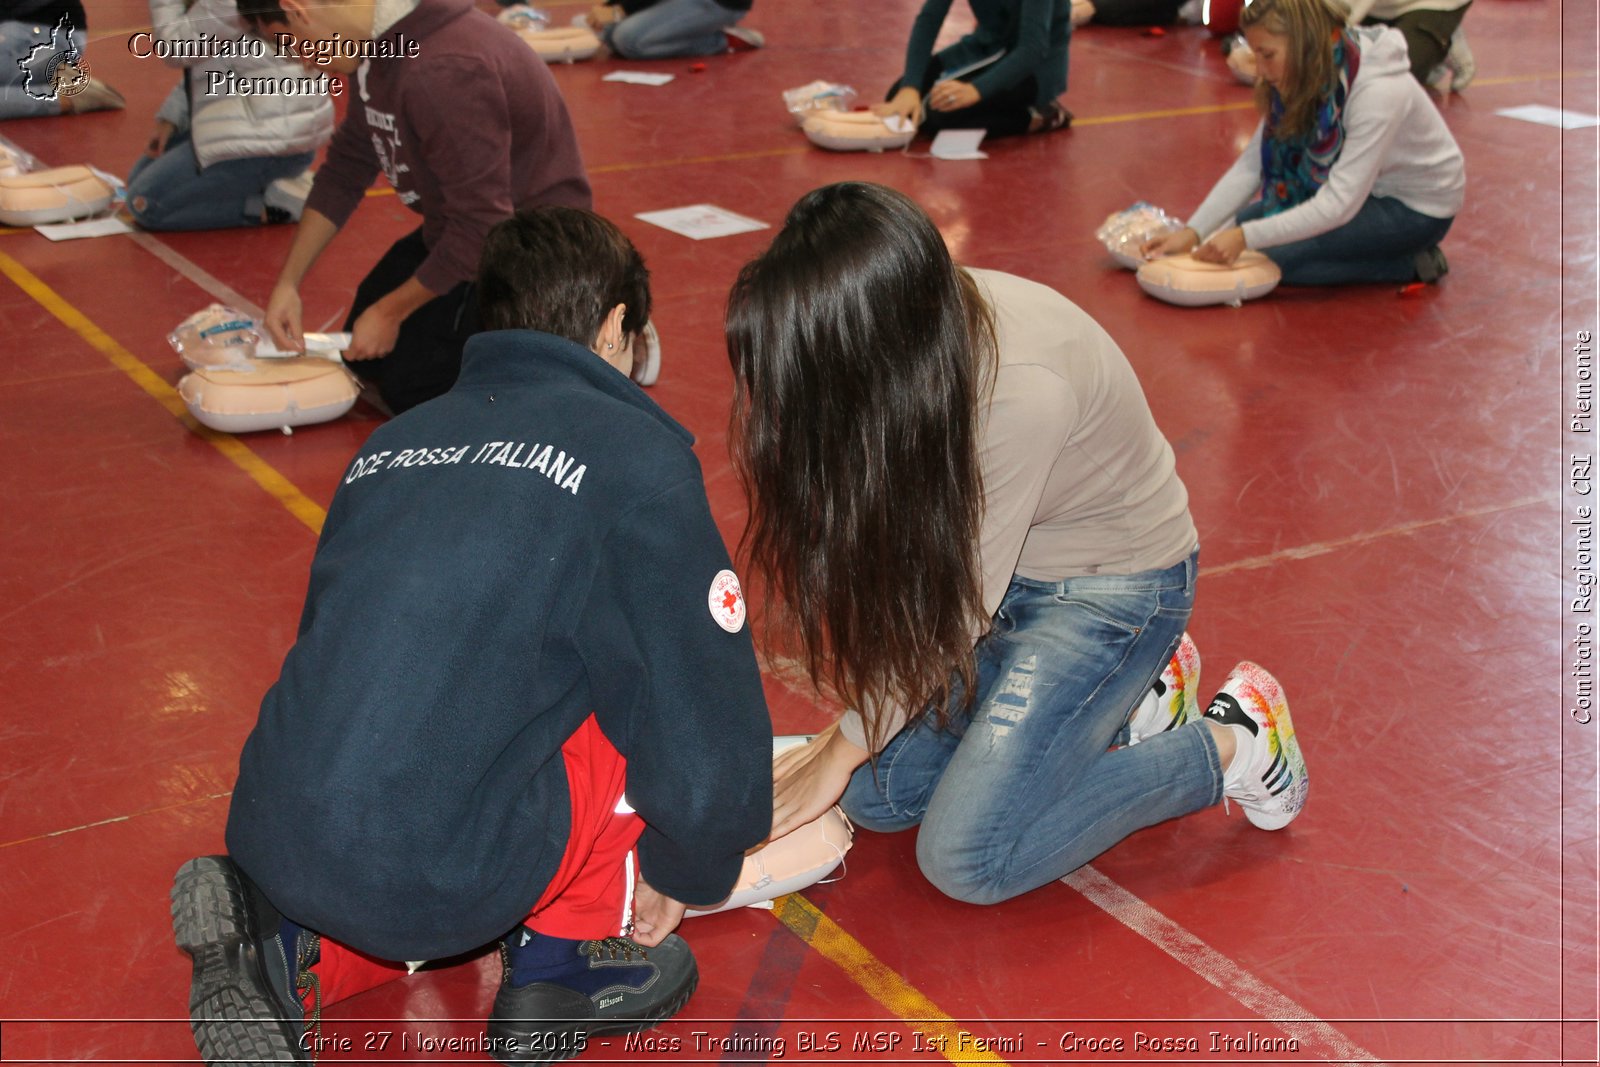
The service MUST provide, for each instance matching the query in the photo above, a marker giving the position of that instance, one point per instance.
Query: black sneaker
(1050, 118)
(244, 1005)
(610, 986)
(1431, 265)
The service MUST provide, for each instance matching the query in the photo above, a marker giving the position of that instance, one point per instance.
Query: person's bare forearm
(313, 234)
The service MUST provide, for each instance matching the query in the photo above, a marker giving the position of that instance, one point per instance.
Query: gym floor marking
(880, 982)
(1322, 548)
(260, 471)
(1315, 1036)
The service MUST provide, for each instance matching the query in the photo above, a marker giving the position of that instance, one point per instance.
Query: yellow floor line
(1165, 113)
(1084, 120)
(260, 471)
(880, 982)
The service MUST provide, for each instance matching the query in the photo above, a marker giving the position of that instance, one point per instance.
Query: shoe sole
(1293, 799)
(232, 1013)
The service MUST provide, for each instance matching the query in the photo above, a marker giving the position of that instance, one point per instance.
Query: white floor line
(195, 273)
(1322, 548)
(1218, 969)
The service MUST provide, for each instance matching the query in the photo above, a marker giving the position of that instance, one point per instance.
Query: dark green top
(1022, 37)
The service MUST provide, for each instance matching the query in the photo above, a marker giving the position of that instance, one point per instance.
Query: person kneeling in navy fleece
(522, 669)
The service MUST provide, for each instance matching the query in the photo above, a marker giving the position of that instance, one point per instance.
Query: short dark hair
(261, 12)
(560, 270)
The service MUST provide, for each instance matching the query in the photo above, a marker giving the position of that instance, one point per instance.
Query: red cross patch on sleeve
(726, 601)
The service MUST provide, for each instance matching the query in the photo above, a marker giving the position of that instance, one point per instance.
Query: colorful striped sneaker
(1267, 777)
(1173, 700)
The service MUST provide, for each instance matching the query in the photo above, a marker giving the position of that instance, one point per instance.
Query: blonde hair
(1311, 28)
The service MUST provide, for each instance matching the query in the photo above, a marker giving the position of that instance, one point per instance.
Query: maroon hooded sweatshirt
(468, 128)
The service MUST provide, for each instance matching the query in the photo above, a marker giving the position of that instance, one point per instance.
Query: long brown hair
(861, 356)
(1311, 28)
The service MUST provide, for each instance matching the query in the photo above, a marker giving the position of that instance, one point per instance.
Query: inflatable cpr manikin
(269, 394)
(857, 131)
(558, 44)
(817, 96)
(798, 859)
(1241, 58)
(1124, 232)
(216, 337)
(1188, 282)
(59, 194)
(563, 44)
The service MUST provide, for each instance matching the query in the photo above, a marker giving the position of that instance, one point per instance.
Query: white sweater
(1395, 145)
(232, 125)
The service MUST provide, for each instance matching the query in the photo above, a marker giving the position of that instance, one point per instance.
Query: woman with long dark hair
(974, 536)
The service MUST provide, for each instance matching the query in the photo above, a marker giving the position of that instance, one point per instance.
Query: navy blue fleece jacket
(498, 563)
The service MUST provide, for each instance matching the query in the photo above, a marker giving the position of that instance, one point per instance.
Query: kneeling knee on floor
(963, 884)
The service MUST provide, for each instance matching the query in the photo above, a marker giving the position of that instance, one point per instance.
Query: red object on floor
(1221, 17)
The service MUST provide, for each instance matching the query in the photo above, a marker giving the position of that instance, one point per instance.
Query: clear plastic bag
(525, 17)
(1124, 231)
(818, 96)
(14, 160)
(217, 336)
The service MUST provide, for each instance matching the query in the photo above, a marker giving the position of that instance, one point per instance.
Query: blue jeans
(17, 40)
(171, 192)
(1025, 787)
(672, 28)
(1378, 245)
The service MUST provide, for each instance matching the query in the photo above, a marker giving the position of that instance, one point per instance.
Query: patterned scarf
(1293, 169)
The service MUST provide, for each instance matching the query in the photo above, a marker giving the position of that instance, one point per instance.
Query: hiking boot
(1268, 774)
(250, 967)
(555, 993)
(1173, 700)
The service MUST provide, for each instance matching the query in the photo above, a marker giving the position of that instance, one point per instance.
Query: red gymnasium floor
(1381, 482)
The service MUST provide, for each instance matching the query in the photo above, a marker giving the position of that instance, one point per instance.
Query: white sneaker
(1268, 773)
(1463, 65)
(744, 39)
(1173, 700)
(647, 356)
(288, 195)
